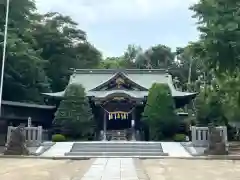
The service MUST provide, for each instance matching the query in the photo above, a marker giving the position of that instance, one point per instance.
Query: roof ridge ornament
(119, 81)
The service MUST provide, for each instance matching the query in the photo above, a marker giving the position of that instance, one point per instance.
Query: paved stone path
(112, 169)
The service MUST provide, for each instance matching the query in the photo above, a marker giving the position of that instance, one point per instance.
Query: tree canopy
(41, 48)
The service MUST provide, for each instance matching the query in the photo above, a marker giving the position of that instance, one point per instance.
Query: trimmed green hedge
(58, 138)
(179, 137)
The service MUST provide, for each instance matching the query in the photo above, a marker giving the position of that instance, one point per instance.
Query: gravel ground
(179, 169)
(39, 169)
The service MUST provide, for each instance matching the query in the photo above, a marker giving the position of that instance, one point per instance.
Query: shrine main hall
(118, 96)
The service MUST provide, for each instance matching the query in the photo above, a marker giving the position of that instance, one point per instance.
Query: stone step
(122, 154)
(118, 144)
(234, 148)
(116, 150)
(115, 147)
(122, 149)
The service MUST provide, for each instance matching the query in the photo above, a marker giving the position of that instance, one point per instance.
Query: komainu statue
(216, 143)
(17, 142)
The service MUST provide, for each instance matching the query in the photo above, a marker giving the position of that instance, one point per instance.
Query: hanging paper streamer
(110, 116)
(118, 115)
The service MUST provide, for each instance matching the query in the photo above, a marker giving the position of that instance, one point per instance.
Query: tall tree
(155, 57)
(219, 26)
(65, 46)
(57, 36)
(112, 63)
(130, 56)
(74, 116)
(24, 77)
(159, 113)
(189, 67)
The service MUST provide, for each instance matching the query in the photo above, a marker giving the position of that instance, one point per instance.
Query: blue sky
(113, 24)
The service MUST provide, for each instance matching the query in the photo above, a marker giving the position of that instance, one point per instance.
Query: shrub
(58, 138)
(179, 137)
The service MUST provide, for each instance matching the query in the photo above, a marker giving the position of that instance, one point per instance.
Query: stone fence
(200, 135)
(33, 135)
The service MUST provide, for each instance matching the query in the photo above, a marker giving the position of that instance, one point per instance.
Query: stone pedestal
(17, 143)
(217, 145)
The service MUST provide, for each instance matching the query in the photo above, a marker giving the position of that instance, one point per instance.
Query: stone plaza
(119, 169)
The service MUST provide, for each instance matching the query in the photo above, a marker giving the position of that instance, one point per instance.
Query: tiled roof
(91, 78)
(30, 105)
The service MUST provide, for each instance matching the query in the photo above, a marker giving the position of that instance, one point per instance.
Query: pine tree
(159, 112)
(74, 117)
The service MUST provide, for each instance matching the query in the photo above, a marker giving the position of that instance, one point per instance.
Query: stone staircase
(116, 149)
(234, 148)
(120, 135)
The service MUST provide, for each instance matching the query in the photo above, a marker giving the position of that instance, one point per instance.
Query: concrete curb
(186, 147)
(212, 157)
(42, 157)
(46, 147)
(107, 154)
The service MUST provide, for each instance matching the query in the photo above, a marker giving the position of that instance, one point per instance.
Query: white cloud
(93, 11)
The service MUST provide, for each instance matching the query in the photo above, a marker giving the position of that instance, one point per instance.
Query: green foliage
(24, 76)
(58, 138)
(111, 63)
(219, 103)
(219, 27)
(36, 45)
(179, 137)
(209, 109)
(64, 46)
(229, 90)
(159, 113)
(74, 117)
(159, 56)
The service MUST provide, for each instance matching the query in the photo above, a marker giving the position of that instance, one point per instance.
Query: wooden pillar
(104, 125)
(133, 125)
